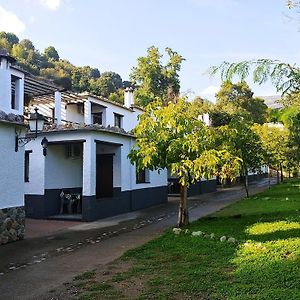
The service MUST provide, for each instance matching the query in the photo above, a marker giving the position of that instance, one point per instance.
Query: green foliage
(108, 83)
(285, 77)
(155, 79)
(274, 142)
(238, 99)
(51, 53)
(62, 72)
(11, 38)
(173, 137)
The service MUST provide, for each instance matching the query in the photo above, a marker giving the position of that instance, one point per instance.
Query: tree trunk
(281, 173)
(269, 178)
(246, 184)
(183, 214)
(277, 176)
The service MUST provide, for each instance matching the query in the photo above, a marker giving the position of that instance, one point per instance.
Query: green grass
(264, 264)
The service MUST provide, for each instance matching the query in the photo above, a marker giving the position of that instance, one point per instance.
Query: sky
(112, 34)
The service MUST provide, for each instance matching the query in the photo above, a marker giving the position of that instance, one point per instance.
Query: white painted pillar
(5, 90)
(128, 97)
(89, 167)
(87, 112)
(57, 111)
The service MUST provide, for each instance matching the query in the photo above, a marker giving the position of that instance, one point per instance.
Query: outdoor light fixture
(36, 124)
(44, 144)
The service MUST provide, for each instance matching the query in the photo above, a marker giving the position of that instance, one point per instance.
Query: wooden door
(104, 175)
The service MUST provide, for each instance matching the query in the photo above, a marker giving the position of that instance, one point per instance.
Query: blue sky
(111, 34)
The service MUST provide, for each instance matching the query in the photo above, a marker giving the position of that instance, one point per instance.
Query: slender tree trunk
(281, 173)
(277, 176)
(183, 214)
(269, 178)
(289, 174)
(246, 184)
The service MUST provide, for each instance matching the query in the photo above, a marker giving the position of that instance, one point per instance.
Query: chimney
(128, 97)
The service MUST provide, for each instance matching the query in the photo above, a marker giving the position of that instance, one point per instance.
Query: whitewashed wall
(36, 183)
(73, 115)
(60, 171)
(12, 169)
(124, 172)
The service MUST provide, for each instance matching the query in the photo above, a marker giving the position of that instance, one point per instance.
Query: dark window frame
(26, 165)
(142, 176)
(118, 120)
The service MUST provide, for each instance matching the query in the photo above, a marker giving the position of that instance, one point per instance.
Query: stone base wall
(12, 224)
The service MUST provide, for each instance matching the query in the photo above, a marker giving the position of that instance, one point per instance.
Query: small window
(97, 118)
(118, 120)
(15, 91)
(142, 176)
(26, 166)
(53, 113)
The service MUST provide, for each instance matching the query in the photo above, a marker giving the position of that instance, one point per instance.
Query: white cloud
(210, 90)
(10, 22)
(51, 4)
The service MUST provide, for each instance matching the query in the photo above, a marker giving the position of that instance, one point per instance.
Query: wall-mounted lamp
(36, 124)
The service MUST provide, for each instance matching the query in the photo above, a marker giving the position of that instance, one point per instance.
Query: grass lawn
(263, 263)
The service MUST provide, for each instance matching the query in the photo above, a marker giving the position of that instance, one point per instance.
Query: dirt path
(36, 268)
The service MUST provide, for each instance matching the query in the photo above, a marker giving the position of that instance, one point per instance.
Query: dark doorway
(104, 175)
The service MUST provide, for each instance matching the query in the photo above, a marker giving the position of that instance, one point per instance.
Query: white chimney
(128, 97)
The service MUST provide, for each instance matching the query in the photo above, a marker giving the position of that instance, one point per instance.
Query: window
(142, 176)
(53, 113)
(15, 91)
(118, 120)
(26, 166)
(97, 118)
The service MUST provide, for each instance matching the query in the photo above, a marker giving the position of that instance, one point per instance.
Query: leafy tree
(11, 38)
(51, 53)
(275, 144)
(4, 44)
(95, 73)
(108, 83)
(18, 51)
(27, 44)
(172, 137)
(238, 99)
(155, 79)
(239, 139)
(285, 77)
(117, 96)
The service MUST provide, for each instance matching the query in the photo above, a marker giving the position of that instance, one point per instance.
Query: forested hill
(48, 64)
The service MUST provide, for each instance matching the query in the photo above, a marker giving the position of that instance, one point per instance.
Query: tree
(285, 77)
(51, 53)
(238, 99)
(155, 80)
(95, 73)
(172, 137)
(241, 141)
(108, 83)
(275, 144)
(11, 38)
(27, 44)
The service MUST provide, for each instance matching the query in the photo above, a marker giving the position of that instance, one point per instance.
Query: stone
(12, 224)
(231, 240)
(223, 238)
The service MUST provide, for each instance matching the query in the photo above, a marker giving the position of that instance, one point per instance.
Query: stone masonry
(12, 224)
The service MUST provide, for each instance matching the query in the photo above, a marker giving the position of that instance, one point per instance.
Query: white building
(12, 214)
(86, 173)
